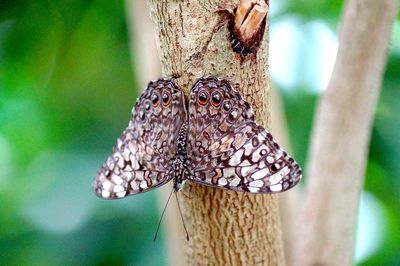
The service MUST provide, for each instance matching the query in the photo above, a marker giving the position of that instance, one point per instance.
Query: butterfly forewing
(228, 149)
(141, 160)
(223, 146)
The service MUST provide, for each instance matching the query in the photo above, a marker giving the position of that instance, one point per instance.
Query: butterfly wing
(228, 149)
(141, 159)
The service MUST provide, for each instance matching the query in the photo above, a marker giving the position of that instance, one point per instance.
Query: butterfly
(213, 141)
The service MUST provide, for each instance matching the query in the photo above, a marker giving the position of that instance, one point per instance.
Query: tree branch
(288, 202)
(341, 134)
(225, 227)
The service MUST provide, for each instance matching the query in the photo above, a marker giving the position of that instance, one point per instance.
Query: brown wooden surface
(225, 227)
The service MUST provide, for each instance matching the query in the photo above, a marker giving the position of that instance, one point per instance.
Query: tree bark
(225, 227)
(341, 135)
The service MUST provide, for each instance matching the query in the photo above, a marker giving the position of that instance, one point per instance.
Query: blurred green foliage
(67, 86)
(66, 91)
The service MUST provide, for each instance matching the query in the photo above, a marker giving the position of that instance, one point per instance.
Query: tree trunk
(225, 227)
(341, 135)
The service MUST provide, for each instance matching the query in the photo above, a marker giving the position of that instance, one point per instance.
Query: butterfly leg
(186, 195)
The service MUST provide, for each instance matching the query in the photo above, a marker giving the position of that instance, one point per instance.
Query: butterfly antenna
(162, 215)
(183, 221)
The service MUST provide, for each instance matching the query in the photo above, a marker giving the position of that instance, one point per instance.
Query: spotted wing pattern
(141, 160)
(228, 149)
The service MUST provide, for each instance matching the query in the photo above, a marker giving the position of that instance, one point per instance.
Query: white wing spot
(277, 177)
(236, 158)
(245, 163)
(128, 175)
(222, 181)
(253, 189)
(118, 188)
(257, 183)
(135, 185)
(278, 154)
(120, 194)
(106, 185)
(262, 150)
(119, 143)
(260, 174)
(276, 188)
(126, 153)
(133, 148)
(248, 148)
(246, 170)
(139, 175)
(134, 162)
(116, 179)
(234, 182)
(228, 172)
(143, 184)
(105, 193)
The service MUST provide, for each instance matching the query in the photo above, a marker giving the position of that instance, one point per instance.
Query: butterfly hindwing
(228, 149)
(225, 147)
(142, 158)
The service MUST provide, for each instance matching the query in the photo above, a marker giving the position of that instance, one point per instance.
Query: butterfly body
(181, 163)
(213, 141)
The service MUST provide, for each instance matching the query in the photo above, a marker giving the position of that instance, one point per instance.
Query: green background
(67, 86)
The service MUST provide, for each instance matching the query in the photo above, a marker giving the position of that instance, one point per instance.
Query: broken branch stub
(247, 26)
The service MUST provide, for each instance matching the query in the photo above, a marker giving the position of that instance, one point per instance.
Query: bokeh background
(67, 86)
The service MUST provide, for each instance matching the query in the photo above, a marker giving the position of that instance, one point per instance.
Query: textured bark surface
(225, 227)
(341, 135)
